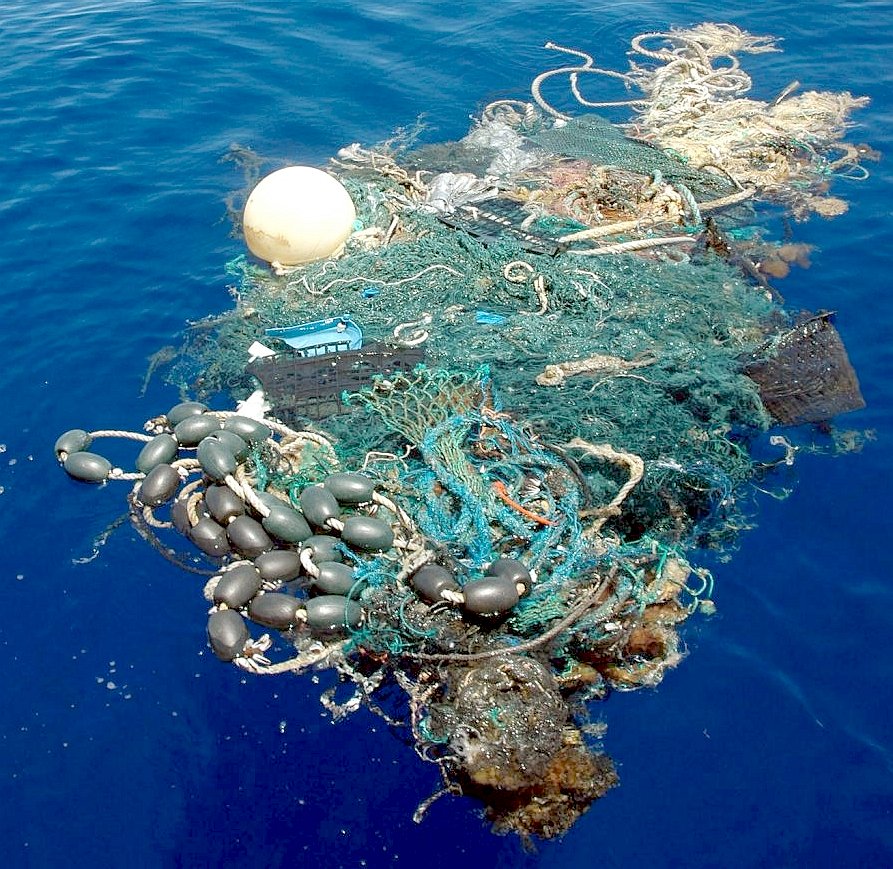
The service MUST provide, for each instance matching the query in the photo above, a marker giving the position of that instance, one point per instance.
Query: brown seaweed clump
(573, 779)
(515, 749)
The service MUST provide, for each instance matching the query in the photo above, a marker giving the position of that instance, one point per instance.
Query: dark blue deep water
(123, 742)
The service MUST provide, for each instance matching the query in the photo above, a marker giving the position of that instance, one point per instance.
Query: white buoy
(296, 215)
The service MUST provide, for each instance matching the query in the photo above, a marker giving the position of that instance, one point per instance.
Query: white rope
(633, 246)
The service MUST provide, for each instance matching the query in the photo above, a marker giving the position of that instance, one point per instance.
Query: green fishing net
(569, 349)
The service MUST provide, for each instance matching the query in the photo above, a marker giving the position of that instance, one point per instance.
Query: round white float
(296, 215)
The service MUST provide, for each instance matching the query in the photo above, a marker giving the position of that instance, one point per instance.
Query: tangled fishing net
(486, 514)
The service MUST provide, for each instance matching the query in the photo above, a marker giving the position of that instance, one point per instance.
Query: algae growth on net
(480, 447)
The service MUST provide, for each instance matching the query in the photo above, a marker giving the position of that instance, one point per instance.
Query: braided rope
(634, 246)
(117, 433)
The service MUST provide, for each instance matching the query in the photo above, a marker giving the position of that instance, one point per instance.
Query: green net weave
(568, 351)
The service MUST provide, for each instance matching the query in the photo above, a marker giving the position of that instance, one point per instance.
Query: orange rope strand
(502, 492)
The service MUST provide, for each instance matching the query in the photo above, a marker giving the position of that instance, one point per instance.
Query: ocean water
(123, 742)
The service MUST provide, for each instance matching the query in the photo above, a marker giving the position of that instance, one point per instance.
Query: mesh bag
(806, 376)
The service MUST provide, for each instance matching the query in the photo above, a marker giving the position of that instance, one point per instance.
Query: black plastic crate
(301, 387)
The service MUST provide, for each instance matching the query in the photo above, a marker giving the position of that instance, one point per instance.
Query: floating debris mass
(496, 426)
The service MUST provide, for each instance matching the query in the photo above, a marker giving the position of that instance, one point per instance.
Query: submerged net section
(483, 513)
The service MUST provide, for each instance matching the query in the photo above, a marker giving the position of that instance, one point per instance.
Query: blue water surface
(123, 742)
